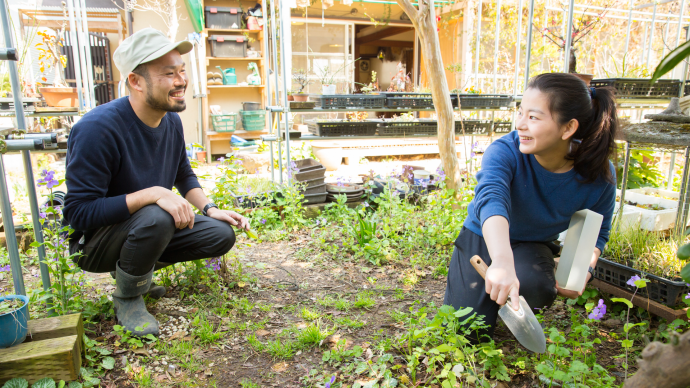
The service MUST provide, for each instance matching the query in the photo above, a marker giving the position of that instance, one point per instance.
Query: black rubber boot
(155, 291)
(129, 305)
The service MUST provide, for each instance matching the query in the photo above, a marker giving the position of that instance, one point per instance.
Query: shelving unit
(230, 97)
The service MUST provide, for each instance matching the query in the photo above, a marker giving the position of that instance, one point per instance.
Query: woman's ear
(569, 129)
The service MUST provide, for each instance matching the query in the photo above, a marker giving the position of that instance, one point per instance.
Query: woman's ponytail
(595, 111)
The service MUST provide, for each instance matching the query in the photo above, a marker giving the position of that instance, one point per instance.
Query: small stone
(164, 362)
(612, 323)
(123, 361)
(171, 368)
(156, 363)
(158, 369)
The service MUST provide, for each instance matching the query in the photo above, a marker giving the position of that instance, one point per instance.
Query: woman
(531, 183)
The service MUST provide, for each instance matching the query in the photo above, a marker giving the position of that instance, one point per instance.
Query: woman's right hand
(501, 282)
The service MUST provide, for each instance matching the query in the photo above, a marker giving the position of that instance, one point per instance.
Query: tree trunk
(424, 21)
(664, 365)
(572, 64)
(173, 23)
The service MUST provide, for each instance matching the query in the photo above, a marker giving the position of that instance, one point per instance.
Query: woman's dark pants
(534, 266)
(149, 236)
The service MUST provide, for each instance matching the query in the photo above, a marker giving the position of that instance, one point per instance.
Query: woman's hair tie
(593, 92)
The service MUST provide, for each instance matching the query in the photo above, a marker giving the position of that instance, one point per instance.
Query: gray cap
(145, 46)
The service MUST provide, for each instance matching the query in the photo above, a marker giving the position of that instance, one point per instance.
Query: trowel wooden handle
(479, 265)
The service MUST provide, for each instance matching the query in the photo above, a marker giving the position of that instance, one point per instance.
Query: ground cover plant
(349, 297)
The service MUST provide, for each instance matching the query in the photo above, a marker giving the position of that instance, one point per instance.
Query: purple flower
(328, 384)
(43, 215)
(366, 204)
(598, 311)
(239, 162)
(221, 159)
(213, 263)
(5, 268)
(632, 280)
(687, 296)
(263, 221)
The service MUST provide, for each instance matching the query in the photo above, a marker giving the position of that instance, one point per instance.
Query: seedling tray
(412, 100)
(408, 128)
(343, 128)
(473, 127)
(485, 100)
(640, 88)
(344, 101)
(502, 126)
(302, 104)
(664, 291)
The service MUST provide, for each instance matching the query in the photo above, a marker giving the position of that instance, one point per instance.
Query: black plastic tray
(664, 291)
(343, 101)
(640, 87)
(343, 128)
(421, 127)
(474, 127)
(485, 100)
(412, 100)
(502, 126)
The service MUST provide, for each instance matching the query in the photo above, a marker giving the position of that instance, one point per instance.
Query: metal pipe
(684, 76)
(75, 52)
(498, 31)
(277, 99)
(568, 37)
(82, 55)
(35, 218)
(624, 181)
(283, 14)
(671, 168)
(87, 48)
(682, 199)
(476, 47)
(680, 25)
(517, 52)
(528, 50)
(268, 82)
(627, 33)
(651, 37)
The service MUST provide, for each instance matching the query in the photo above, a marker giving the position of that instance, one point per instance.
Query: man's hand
(501, 281)
(177, 206)
(228, 216)
(570, 293)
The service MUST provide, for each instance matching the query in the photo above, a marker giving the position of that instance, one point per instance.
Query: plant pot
(60, 97)
(291, 97)
(329, 154)
(585, 77)
(201, 156)
(328, 89)
(302, 97)
(13, 325)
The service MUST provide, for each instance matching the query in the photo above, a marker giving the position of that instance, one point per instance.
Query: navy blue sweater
(112, 153)
(537, 203)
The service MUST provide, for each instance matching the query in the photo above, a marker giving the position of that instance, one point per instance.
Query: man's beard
(163, 104)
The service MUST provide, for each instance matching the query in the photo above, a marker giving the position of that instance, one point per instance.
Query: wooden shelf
(234, 59)
(219, 136)
(235, 86)
(232, 30)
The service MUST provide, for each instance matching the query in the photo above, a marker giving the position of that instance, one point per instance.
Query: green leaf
(671, 60)
(108, 363)
(685, 273)
(627, 343)
(684, 252)
(44, 383)
(16, 382)
(463, 312)
(74, 384)
(622, 300)
(443, 348)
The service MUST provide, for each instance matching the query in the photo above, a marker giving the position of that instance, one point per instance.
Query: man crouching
(123, 159)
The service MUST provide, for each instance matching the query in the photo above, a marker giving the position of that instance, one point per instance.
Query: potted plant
(14, 315)
(58, 95)
(301, 77)
(290, 96)
(327, 78)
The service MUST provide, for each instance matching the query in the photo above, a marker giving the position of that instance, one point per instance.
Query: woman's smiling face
(538, 129)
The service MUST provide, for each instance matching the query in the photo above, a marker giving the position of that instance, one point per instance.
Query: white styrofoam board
(631, 216)
(578, 249)
(653, 220)
(653, 190)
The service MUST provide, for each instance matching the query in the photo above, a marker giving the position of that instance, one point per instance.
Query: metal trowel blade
(524, 326)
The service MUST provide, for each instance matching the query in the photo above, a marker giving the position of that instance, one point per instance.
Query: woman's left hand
(570, 293)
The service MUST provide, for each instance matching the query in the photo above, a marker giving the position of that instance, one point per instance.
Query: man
(123, 159)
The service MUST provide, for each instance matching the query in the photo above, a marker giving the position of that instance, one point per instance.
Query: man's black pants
(534, 267)
(149, 236)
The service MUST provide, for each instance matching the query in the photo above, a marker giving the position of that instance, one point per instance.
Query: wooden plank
(58, 358)
(653, 307)
(390, 31)
(389, 43)
(56, 327)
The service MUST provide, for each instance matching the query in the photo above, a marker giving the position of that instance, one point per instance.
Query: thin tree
(424, 19)
(166, 9)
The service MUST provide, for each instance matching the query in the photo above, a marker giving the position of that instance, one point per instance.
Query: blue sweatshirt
(112, 153)
(537, 203)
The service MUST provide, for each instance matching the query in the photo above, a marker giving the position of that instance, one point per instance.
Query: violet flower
(598, 312)
(263, 221)
(328, 384)
(5, 268)
(632, 280)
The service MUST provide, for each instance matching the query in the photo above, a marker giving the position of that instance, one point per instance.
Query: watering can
(229, 77)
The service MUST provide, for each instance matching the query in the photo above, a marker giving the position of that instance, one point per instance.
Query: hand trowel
(522, 323)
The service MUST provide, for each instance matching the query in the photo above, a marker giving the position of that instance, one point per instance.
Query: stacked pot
(311, 174)
(353, 192)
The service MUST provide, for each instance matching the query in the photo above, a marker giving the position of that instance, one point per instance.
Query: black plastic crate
(228, 46)
(412, 100)
(640, 87)
(502, 126)
(474, 127)
(343, 128)
(344, 101)
(223, 17)
(485, 100)
(686, 91)
(668, 292)
(421, 127)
